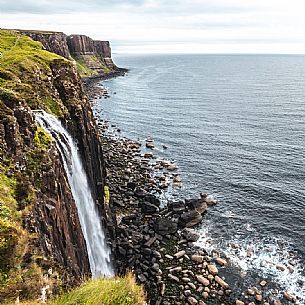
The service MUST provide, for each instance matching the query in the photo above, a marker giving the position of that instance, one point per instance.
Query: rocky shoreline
(156, 240)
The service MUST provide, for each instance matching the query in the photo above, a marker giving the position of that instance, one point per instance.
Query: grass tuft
(117, 291)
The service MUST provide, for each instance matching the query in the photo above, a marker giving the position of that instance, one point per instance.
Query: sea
(235, 127)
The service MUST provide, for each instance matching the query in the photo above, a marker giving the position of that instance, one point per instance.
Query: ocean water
(235, 126)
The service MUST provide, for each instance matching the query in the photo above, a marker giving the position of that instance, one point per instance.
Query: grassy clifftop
(117, 291)
(25, 66)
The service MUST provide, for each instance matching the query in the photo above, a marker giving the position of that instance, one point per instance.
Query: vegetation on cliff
(42, 250)
(102, 291)
(25, 69)
(123, 291)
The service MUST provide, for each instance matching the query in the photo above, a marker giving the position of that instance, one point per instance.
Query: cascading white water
(98, 251)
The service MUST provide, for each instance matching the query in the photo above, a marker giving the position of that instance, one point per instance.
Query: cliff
(92, 57)
(41, 243)
(55, 42)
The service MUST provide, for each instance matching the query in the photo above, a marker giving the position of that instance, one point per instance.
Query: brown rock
(201, 279)
(221, 282)
(213, 269)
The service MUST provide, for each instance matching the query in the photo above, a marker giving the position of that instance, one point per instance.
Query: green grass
(8, 227)
(24, 71)
(117, 291)
(83, 63)
(83, 70)
(113, 291)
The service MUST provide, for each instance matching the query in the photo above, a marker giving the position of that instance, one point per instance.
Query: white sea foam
(270, 258)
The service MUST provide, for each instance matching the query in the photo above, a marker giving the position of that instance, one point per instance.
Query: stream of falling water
(98, 251)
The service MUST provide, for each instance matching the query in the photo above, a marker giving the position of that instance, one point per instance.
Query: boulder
(177, 206)
(192, 300)
(148, 208)
(152, 199)
(212, 269)
(201, 279)
(221, 282)
(190, 219)
(164, 226)
(221, 261)
(197, 204)
(179, 254)
(197, 258)
(190, 235)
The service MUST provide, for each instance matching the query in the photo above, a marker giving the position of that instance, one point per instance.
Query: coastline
(150, 254)
(156, 242)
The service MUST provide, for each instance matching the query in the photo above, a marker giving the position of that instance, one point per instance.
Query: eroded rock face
(103, 48)
(81, 44)
(43, 192)
(55, 42)
(96, 54)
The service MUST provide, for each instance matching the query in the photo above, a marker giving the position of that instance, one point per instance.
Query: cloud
(68, 6)
(167, 22)
(164, 7)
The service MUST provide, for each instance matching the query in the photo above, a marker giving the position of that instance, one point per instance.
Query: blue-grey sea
(235, 126)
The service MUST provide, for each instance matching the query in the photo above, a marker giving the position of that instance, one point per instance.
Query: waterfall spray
(98, 251)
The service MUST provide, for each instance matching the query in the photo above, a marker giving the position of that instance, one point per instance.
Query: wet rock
(174, 278)
(197, 258)
(210, 200)
(190, 235)
(164, 226)
(177, 179)
(281, 267)
(197, 204)
(190, 219)
(201, 279)
(171, 167)
(148, 208)
(192, 300)
(177, 206)
(150, 145)
(259, 297)
(152, 199)
(179, 254)
(213, 269)
(288, 297)
(263, 283)
(221, 282)
(221, 261)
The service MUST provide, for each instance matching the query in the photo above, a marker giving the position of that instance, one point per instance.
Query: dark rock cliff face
(82, 125)
(103, 48)
(95, 54)
(81, 45)
(51, 238)
(52, 219)
(55, 42)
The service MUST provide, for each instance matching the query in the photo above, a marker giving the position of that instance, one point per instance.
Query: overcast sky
(193, 26)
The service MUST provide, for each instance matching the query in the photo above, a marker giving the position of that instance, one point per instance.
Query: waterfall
(98, 251)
